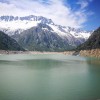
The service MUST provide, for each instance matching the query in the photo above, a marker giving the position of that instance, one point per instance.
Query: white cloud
(84, 3)
(54, 9)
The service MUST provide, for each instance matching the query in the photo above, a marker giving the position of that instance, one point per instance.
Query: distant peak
(27, 18)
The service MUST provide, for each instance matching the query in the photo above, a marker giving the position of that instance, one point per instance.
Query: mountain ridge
(7, 43)
(6, 21)
(15, 26)
(93, 42)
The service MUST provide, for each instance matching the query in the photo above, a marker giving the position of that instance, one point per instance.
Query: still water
(49, 77)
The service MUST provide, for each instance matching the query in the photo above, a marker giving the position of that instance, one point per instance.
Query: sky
(82, 14)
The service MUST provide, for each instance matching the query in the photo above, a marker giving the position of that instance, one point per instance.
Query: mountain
(42, 38)
(7, 43)
(92, 43)
(16, 27)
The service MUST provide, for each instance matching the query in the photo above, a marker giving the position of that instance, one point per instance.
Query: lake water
(49, 77)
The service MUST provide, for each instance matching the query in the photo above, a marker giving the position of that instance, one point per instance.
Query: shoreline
(90, 53)
(85, 53)
(7, 52)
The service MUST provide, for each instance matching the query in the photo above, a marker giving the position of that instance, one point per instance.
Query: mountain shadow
(7, 43)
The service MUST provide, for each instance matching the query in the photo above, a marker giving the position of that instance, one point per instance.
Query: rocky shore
(90, 53)
(87, 53)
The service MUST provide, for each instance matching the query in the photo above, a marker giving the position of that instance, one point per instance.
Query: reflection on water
(49, 77)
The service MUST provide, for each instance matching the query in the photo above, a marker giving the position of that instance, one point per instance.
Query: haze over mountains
(41, 34)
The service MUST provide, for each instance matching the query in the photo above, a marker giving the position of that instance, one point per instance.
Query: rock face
(93, 42)
(42, 38)
(7, 43)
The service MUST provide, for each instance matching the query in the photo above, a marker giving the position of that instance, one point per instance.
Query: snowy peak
(27, 18)
(16, 25)
(77, 33)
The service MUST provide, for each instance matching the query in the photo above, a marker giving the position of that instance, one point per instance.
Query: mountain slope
(92, 43)
(41, 38)
(7, 43)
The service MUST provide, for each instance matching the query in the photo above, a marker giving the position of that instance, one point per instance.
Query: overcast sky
(75, 13)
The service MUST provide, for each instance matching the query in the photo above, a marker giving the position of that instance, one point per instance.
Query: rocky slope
(42, 38)
(7, 43)
(91, 47)
(93, 42)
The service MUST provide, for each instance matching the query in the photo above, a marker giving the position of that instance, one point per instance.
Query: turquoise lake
(49, 77)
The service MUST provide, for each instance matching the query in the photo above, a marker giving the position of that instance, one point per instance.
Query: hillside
(92, 43)
(42, 38)
(7, 43)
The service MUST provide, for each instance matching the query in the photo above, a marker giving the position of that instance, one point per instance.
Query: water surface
(49, 77)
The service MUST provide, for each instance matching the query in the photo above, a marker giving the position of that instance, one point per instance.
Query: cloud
(53, 9)
(84, 3)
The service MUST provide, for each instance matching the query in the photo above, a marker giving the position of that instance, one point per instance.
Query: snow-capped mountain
(26, 22)
(11, 24)
(16, 25)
